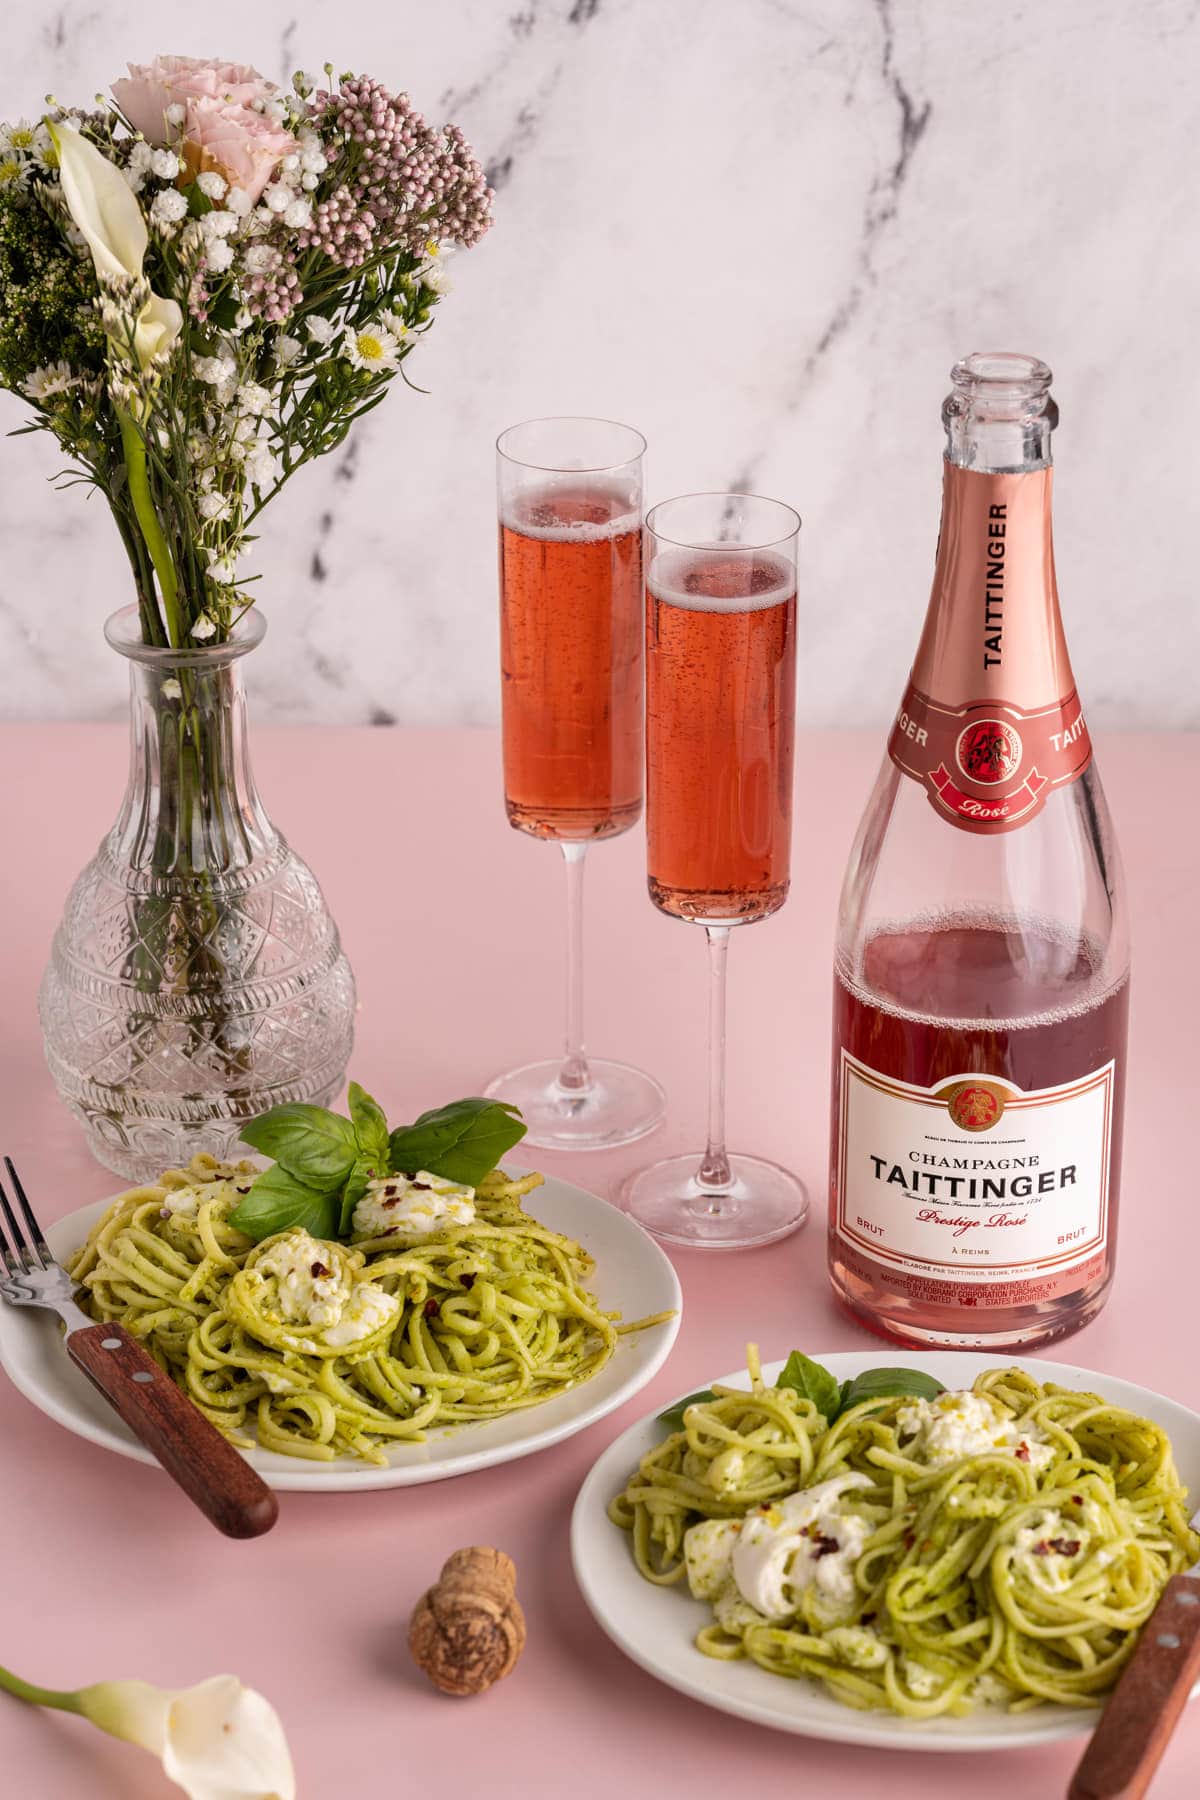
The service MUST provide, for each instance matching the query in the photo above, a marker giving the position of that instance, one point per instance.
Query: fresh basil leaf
(370, 1128)
(463, 1141)
(352, 1193)
(813, 1382)
(674, 1414)
(887, 1384)
(316, 1146)
(277, 1200)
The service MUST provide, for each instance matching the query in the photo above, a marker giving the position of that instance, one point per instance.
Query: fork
(192, 1451)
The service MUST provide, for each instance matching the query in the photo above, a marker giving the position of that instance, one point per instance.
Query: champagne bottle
(982, 959)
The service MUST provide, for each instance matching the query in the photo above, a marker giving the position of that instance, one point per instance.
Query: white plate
(632, 1277)
(656, 1626)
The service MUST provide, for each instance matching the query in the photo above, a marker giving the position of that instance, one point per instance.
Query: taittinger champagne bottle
(982, 961)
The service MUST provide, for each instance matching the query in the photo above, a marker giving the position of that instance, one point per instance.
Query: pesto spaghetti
(323, 1349)
(1001, 1543)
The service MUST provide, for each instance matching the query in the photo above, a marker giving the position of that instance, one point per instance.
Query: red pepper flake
(826, 1546)
(432, 1307)
(421, 1186)
(867, 1618)
(765, 1506)
(1065, 1546)
(1076, 1499)
(468, 1281)
(318, 1269)
(1022, 1451)
(910, 1538)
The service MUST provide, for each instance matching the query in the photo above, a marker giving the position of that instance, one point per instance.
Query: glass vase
(196, 977)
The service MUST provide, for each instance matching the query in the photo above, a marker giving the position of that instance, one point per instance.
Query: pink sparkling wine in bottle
(982, 962)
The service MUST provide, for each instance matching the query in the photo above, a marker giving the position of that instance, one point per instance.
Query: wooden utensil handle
(1136, 1724)
(193, 1452)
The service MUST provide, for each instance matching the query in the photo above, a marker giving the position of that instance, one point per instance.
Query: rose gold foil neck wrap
(993, 630)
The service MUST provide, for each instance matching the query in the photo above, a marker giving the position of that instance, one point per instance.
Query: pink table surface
(453, 925)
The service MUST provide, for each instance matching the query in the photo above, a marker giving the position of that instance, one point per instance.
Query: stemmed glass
(720, 725)
(571, 652)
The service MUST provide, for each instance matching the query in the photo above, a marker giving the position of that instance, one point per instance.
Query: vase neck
(191, 806)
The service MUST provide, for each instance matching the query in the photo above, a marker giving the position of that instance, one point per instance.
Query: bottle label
(975, 1184)
(991, 724)
(989, 766)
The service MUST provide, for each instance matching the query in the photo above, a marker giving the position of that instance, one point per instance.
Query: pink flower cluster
(407, 183)
(211, 112)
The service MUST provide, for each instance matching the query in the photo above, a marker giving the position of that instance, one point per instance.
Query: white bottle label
(975, 1180)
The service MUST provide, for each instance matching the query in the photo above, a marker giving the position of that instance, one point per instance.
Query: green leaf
(352, 1193)
(277, 1200)
(674, 1414)
(462, 1141)
(887, 1384)
(370, 1129)
(814, 1382)
(316, 1146)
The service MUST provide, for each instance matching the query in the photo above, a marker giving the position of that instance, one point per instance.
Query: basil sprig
(830, 1396)
(323, 1161)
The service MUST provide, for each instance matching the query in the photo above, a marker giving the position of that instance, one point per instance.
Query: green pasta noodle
(465, 1324)
(904, 1573)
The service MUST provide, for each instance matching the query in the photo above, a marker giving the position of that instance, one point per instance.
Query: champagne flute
(720, 725)
(571, 651)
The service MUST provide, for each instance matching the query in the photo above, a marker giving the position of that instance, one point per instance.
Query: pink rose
(173, 81)
(244, 146)
(221, 129)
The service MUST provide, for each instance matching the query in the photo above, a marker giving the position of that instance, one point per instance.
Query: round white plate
(656, 1626)
(632, 1276)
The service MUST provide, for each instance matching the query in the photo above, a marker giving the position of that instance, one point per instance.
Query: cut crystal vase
(196, 978)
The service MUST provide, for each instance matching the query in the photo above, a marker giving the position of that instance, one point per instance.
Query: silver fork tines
(31, 1276)
(20, 1248)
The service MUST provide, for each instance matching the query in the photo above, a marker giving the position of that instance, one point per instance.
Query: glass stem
(574, 1076)
(714, 1173)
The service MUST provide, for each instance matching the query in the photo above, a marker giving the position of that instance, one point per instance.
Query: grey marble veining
(761, 230)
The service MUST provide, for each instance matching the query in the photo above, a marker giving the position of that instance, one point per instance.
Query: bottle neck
(993, 630)
(191, 807)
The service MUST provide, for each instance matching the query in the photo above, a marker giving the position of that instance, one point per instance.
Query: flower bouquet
(202, 286)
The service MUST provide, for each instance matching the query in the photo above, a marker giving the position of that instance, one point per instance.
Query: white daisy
(20, 135)
(371, 347)
(13, 170)
(52, 378)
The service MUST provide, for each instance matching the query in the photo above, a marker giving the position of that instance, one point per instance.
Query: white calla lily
(103, 207)
(217, 1740)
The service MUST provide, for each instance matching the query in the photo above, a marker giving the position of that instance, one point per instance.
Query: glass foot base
(763, 1203)
(620, 1105)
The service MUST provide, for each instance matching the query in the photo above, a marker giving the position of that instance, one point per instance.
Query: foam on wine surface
(724, 581)
(579, 510)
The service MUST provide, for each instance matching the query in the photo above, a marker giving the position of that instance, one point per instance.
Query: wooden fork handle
(193, 1452)
(1136, 1724)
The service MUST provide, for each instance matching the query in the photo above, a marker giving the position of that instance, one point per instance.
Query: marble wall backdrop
(759, 229)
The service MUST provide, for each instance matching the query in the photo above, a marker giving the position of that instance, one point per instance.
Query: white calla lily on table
(217, 1740)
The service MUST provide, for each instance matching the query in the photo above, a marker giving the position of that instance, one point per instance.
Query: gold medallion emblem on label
(975, 1105)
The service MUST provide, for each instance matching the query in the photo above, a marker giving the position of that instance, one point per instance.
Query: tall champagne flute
(571, 652)
(720, 725)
